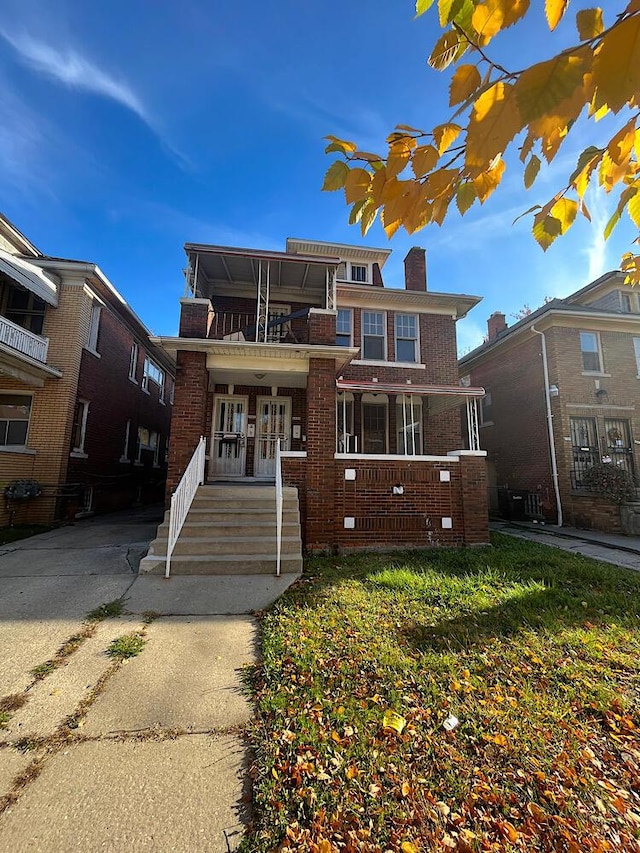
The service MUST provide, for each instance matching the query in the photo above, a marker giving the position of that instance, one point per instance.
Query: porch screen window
(409, 425)
(373, 337)
(589, 345)
(346, 441)
(344, 327)
(406, 337)
(15, 410)
(25, 310)
(374, 423)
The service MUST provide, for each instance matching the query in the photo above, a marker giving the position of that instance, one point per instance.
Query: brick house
(356, 380)
(585, 407)
(85, 398)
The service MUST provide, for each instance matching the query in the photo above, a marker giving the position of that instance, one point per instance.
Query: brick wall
(189, 418)
(322, 327)
(195, 318)
(321, 444)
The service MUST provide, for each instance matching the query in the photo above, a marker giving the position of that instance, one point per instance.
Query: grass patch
(110, 610)
(5, 716)
(42, 670)
(534, 650)
(127, 646)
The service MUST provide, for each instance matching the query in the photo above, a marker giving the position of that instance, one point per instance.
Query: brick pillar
(196, 316)
(475, 500)
(322, 326)
(321, 446)
(188, 420)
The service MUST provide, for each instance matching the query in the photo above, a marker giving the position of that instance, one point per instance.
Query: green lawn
(535, 651)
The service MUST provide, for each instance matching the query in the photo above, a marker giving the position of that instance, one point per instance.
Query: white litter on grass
(451, 723)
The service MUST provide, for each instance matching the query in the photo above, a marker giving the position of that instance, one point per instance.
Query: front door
(229, 437)
(273, 423)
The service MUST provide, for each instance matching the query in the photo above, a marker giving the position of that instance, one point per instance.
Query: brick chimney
(496, 323)
(415, 269)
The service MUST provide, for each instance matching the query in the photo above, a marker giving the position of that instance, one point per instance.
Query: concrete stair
(231, 530)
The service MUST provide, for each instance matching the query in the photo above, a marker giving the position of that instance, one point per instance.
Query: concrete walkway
(611, 548)
(144, 754)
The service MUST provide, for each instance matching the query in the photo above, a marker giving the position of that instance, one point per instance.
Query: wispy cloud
(596, 250)
(72, 69)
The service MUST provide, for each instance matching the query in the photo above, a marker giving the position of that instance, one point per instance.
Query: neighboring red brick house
(85, 398)
(585, 408)
(357, 381)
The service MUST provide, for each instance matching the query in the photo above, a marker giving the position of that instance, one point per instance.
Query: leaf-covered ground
(535, 651)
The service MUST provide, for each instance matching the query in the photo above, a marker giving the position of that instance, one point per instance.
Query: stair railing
(278, 507)
(182, 498)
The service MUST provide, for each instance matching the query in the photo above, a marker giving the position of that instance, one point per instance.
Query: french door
(273, 417)
(229, 437)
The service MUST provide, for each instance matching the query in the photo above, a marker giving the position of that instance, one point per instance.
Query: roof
(342, 250)
(29, 275)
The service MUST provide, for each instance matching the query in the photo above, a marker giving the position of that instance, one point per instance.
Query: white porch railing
(23, 340)
(278, 506)
(472, 424)
(182, 498)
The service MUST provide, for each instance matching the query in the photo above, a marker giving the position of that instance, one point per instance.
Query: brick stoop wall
(592, 513)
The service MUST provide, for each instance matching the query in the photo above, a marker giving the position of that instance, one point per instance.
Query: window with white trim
(79, 432)
(133, 362)
(15, 411)
(409, 425)
(94, 326)
(636, 349)
(359, 273)
(172, 390)
(147, 440)
(344, 327)
(591, 354)
(125, 449)
(406, 337)
(154, 374)
(374, 335)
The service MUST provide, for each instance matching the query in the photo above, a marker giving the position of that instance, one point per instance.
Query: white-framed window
(486, 409)
(15, 411)
(345, 439)
(591, 352)
(407, 348)
(79, 433)
(344, 327)
(133, 362)
(629, 302)
(172, 389)
(153, 373)
(636, 349)
(125, 449)
(359, 273)
(375, 423)
(147, 440)
(94, 327)
(409, 425)
(374, 335)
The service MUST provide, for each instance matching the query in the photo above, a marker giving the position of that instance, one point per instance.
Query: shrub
(610, 482)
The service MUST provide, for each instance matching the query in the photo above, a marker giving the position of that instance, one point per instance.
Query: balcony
(287, 327)
(23, 341)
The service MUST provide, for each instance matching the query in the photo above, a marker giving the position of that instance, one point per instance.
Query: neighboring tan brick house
(592, 343)
(357, 381)
(85, 398)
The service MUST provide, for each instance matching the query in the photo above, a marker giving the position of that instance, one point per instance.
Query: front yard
(531, 656)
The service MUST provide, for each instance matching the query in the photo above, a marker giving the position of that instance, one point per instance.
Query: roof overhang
(341, 250)
(456, 305)
(441, 397)
(30, 276)
(24, 368)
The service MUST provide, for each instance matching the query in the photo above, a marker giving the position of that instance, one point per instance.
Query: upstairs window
(636, 349)
(133, 362)
(79, 427)
(344, 327)
(406, 337)
(15, 411)
(590, 348)
(359, 273)
(94, 325)
(153, 373)
(373, 336)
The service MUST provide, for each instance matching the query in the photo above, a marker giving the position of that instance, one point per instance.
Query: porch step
(231, 529)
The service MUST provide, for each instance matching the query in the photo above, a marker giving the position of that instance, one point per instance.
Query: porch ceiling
(25, 369)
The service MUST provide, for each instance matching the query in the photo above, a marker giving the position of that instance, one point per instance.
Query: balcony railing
(232, 326)
(23, 341)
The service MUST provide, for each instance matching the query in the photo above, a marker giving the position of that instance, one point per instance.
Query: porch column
(188, 420)
(321, 446)
(475, 498)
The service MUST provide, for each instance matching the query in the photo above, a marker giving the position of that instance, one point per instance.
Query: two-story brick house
(562, 394)
(356, 381)
(85, 397)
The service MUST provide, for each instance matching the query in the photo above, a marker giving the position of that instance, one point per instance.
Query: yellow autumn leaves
(461, 161)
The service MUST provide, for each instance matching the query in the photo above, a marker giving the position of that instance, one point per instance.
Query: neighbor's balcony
(23, 341)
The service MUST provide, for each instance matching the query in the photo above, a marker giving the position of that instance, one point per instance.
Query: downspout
(552, 447)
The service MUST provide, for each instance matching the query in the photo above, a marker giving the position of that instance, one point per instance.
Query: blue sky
(131, 128)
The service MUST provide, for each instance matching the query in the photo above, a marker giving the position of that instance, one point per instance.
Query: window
(373, 336)
(25, 310)
(590, 347)
(133, 362)
(584, 446)
(625, 298)
(280, 331)
(374, 423)
(15, 410)
(147, 440)
(172, 390)
(344, 326)
(79, 427)
(409, 425)
(155, 374)
(406, 337)
(486, 409)
(359, 273)
(94, 324)
(345, 439)
(125, 449)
